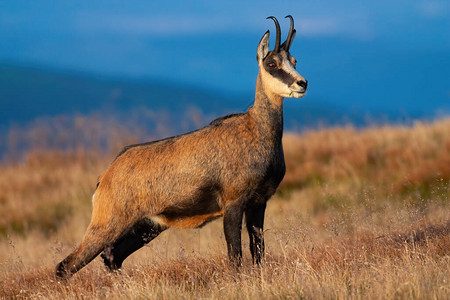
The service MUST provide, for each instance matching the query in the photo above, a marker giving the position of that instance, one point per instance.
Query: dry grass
(396, 157)
(361, 214)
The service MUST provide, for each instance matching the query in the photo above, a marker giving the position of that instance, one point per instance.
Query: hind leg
(139, 235)
(94, 241)
(89, 248)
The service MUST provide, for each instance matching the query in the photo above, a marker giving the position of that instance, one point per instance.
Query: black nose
(303, 83)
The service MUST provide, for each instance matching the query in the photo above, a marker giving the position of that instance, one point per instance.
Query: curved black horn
(278, 39)
(291, 31)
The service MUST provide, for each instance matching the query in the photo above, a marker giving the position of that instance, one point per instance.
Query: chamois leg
(232, 225)
(141, 233)
(254, 218)
(94, 241)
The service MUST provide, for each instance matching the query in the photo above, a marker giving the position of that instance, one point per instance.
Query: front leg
(232, 225)
(254, 218)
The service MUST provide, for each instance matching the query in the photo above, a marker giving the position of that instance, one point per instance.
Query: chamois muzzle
(303, 84)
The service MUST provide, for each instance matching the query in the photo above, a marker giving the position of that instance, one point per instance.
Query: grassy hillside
(360, 214)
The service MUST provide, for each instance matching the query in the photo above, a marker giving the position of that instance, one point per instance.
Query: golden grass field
(361, 213)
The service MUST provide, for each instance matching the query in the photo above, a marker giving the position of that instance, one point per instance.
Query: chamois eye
(271, 65)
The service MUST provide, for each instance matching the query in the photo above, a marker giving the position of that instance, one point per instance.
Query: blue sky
(366, 19)
(381, 52)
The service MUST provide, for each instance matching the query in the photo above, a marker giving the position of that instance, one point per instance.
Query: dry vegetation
(360, 214)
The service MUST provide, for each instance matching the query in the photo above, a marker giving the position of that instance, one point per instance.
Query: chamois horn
(288, 42)
(278, 39)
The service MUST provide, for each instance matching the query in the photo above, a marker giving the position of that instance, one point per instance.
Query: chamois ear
(263, 47)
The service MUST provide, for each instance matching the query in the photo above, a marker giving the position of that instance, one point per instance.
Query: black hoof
(109, 262)
(61, 272)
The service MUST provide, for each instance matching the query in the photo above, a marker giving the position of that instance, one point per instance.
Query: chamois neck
(264, 97)
(267, 111)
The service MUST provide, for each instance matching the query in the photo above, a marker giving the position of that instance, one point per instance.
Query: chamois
(229, 168)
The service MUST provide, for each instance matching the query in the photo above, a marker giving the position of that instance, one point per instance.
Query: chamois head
(277, 67)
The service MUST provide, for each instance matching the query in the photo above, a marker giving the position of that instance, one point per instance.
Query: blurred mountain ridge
(30, 92)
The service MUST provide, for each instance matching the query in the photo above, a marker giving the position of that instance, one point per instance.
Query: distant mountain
(27, 93)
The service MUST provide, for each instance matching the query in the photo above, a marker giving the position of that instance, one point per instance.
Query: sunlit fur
(229, 168)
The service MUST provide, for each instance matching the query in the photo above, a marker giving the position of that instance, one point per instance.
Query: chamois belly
(193, 212)
(186, 221)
